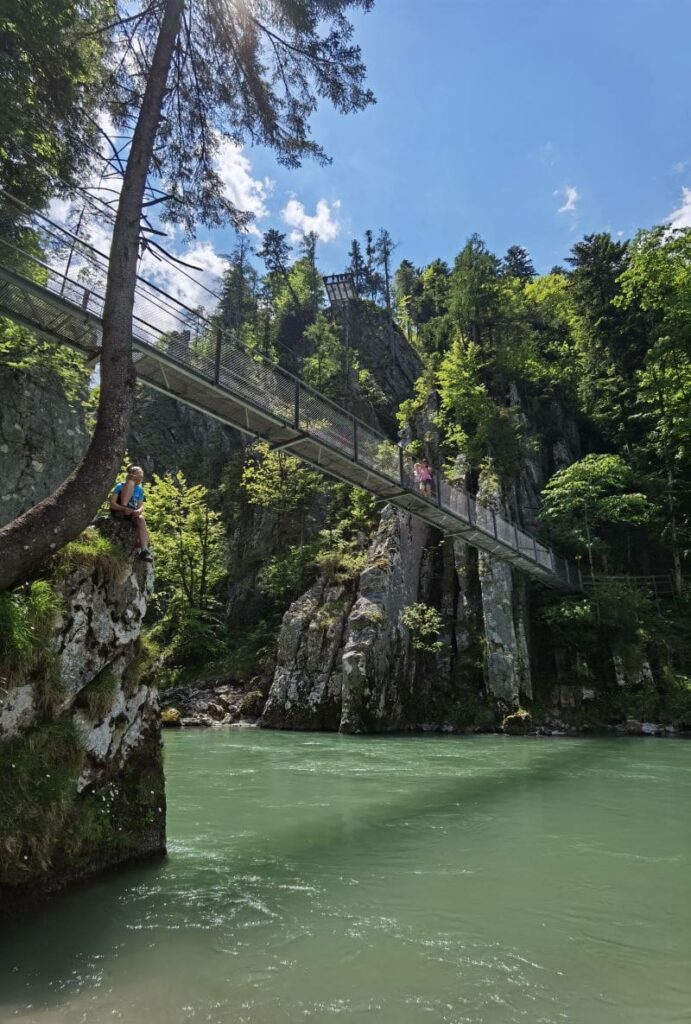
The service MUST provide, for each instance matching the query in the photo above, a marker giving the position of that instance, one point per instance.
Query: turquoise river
(319, 878)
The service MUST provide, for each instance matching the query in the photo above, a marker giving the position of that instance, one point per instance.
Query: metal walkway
(180, 353)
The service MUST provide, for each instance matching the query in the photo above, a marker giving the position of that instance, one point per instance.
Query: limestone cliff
(80, 752)
(42, 438)
(346, 661)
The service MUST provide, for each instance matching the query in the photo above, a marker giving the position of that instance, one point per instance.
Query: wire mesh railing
(169, 330)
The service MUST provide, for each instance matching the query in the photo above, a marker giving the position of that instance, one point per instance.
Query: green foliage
(279, 482)
(57, 76)
(191, 566)
(328, 614)
(476, 426)
(144, 656)
(289, 574)
(189, 540)
(22, 350)
(675, 703)
(582, 501)
(324, 368)
(343, 563)
(248, 648)
(614, 618)
(45, 826)
(473, 711)
(424, 625)
(343, 555)
(27, 616)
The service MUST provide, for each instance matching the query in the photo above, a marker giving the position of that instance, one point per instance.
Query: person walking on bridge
(424, 477)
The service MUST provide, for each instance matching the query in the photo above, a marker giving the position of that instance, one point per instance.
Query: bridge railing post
(494, 523)
(355, 452)
(401, 471)
(217, 365)
(296, 407)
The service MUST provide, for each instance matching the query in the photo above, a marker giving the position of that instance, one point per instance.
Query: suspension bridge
(181, 353)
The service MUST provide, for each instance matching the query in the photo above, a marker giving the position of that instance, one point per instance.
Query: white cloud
(244, 191)
(323, 222)
(186, 285)
(571, 196)
(681, 217)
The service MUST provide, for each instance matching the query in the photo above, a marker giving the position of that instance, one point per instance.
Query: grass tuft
(98, 696)
(93, 551)
(27, 617)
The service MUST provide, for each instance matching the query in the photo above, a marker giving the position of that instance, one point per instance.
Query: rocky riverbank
(211, 702)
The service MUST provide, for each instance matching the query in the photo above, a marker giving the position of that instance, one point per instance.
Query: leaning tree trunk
(29, 539)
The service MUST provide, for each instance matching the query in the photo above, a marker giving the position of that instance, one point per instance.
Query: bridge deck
(241, 389)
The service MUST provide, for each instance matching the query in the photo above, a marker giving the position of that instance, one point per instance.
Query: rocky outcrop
(98, 799)
(386, 354)
(42, 438)
(345, 659)
(504, 611)
(378, 662)
(306, 691)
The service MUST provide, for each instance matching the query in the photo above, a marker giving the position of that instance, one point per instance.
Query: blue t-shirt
(137, 494)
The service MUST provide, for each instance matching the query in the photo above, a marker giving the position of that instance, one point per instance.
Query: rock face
(306, 692)
(378, 662)
(504, 612)
(98, 730)
(167, 436)
(384, 351)
(345, 659)
(42, 438)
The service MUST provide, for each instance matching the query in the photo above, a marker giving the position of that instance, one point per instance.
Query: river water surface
(322, 878)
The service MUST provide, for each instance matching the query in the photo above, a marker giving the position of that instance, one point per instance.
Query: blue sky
(531, 122)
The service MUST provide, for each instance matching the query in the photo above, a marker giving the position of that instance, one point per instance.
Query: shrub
(286, 576)
(342, 564)
(424, 625)
(27, 616)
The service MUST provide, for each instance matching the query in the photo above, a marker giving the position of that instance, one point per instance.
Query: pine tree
(356, 267)
(238, 301)
(517, 263)
(373, 281)
(308, 250)
(384, 247)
